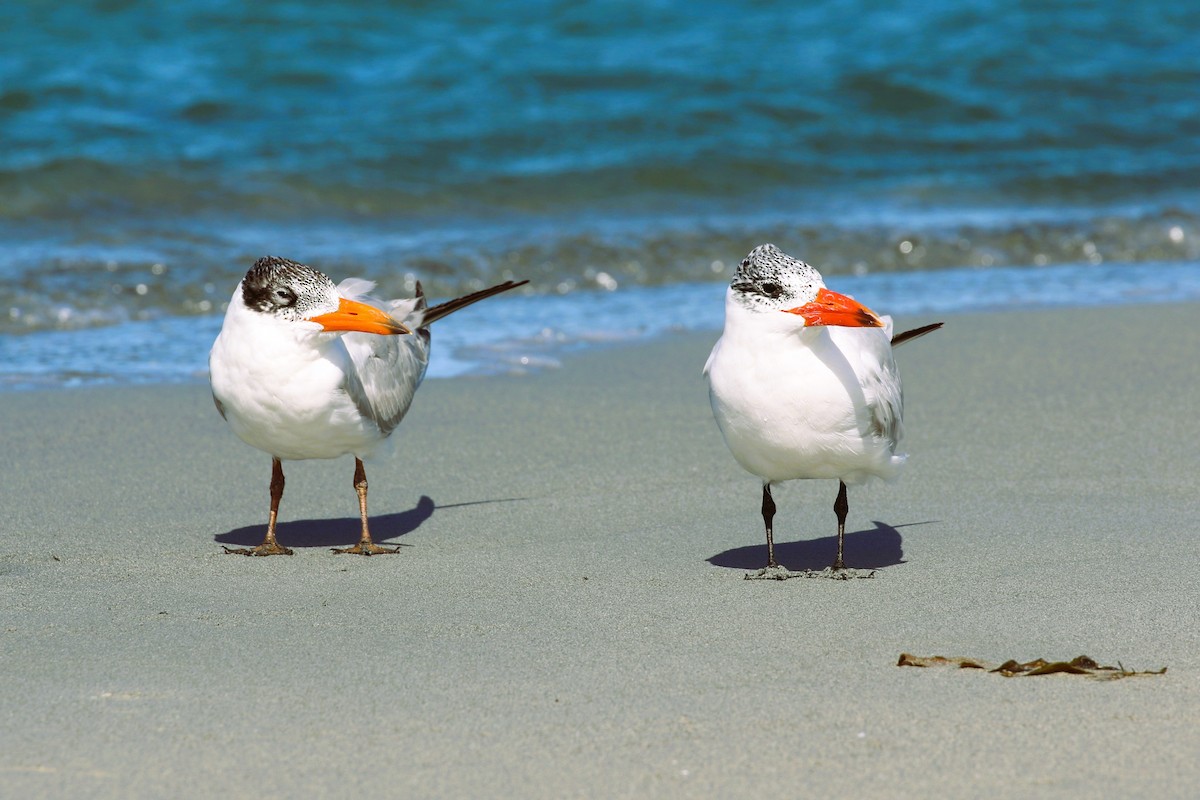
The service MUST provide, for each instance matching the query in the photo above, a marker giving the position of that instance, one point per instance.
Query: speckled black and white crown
(770, 278)
(287, 288)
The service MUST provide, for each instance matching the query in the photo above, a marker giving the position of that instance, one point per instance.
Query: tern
(306, 369)
(803, 384)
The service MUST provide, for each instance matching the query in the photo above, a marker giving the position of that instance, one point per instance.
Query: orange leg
(365, 546)
(269, 546)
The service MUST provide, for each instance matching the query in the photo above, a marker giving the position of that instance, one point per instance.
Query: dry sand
(570, 619)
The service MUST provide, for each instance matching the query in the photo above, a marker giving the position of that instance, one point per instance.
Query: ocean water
(936, 156)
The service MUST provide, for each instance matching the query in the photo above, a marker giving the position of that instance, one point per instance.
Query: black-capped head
(288, 289)
(770, 280)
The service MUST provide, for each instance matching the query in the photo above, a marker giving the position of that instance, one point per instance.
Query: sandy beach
(569, 618)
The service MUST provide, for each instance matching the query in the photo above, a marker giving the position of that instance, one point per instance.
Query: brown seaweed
(1012, 668)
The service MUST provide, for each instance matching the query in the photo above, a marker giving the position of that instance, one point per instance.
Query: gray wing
(878, 377)
(385, 371)
(882, 387)
(385, 374)
(864, 357)
(885, 401)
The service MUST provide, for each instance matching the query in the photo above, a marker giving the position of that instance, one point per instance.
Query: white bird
(305, 369)
(803, 384)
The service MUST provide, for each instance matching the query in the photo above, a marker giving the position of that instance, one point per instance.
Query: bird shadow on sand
(333, 532)
(345, 531)
(879, 547)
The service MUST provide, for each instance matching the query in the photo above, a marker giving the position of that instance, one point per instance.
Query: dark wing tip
(450, 306)
(915, 333)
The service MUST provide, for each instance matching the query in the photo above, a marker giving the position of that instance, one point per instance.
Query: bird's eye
(772, 289)
(284, 297)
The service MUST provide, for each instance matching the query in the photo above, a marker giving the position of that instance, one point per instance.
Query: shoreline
(570, 618)
(517, 333)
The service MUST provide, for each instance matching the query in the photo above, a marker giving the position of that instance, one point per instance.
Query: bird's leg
(841, 507)
(365, 546)
(277, 483)
(772, 571)
(269, 546)
(768, 513)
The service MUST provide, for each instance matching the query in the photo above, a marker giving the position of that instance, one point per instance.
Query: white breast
(797, 402)
(282, 387)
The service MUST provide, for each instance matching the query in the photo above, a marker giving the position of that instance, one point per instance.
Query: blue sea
(939, 156)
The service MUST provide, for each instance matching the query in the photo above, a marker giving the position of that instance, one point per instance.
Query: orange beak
(355, 316)
(831, 308)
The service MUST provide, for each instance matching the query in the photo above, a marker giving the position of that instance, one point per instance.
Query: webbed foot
(264, 549)
(774, 572)
(367, 549)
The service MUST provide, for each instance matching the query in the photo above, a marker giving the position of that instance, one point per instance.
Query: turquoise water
(603, 150)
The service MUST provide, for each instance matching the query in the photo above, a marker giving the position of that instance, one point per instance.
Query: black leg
(841, 507)
(768, 512)
(277, 483)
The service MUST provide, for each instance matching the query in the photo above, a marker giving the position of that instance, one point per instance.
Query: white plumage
(799, 402)
(305, 369)
(803, 383)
